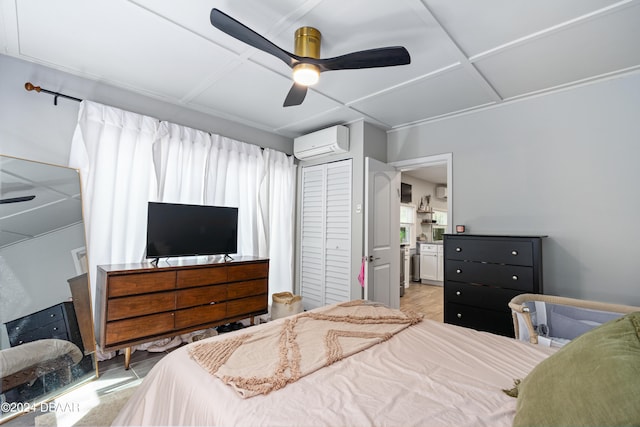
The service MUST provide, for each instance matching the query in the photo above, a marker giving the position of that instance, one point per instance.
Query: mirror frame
(82, 304)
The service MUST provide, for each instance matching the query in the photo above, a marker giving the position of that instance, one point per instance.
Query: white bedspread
(431, 374)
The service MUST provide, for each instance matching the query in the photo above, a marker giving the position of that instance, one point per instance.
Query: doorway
(432, 176)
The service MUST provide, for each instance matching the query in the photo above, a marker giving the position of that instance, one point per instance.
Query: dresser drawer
(202, 276)
(125, 330)
(200, 315)
(200, 296)
(57, 330)
(141, 283)
(248, 288)
(497, 322)
(510, 252)
(36, 320)
(140, 305)
(250, 271)
(479, 295)
(251, 305)
(497, 275)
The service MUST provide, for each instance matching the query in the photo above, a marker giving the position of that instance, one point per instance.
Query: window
(440, 217)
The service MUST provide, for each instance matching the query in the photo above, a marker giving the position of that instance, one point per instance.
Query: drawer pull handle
(458, 271)
(457, 292)
(514, 253)
(55, 329)
(459, 315)
(458, 249)
(53, 315)
(514, 277)
(20, 342)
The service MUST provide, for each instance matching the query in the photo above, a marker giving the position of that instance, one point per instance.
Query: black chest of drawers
(481, 275)
(59, 322)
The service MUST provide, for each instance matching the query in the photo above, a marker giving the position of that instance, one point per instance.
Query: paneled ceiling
(466, 54)
(55, 201)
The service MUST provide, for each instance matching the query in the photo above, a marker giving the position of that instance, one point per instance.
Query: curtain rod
(29, 86)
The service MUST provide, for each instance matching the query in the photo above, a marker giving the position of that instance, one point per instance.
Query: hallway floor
(427, 299)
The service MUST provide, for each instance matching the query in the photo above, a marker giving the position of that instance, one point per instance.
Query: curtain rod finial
(29, 86)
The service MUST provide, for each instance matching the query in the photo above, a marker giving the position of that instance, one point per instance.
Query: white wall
(566, 165)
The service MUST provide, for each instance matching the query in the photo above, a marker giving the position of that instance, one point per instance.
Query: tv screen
(182, 230)
(405, 193)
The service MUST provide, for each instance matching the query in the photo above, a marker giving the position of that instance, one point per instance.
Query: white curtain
(277, 201)
(126, 160)
(112, 150)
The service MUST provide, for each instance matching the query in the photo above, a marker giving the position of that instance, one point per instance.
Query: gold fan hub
(307, 42)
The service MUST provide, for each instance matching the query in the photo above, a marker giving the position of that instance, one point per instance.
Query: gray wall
(33, 128)
(564, 164)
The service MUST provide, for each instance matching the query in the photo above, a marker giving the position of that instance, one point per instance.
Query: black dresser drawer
(512, 252)
(504, 276)
(479, 296)
(58, 321)
(35, 320)
(497, 322)
(57, 330)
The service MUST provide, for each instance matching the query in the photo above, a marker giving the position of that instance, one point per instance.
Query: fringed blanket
(258, 363)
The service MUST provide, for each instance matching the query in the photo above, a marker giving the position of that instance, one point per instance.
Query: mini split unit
(327, 141)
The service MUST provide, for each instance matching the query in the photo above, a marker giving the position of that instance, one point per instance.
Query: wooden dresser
(138, 303)
(482, 274)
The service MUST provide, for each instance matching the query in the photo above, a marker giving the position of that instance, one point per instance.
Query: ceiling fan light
(306, 74)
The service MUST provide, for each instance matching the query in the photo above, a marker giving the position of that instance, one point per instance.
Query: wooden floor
(427, 299)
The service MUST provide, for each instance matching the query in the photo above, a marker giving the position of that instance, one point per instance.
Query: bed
(429, 373)
(27, 362)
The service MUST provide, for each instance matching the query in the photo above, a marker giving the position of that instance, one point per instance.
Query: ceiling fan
(306, 62)
(17, 199)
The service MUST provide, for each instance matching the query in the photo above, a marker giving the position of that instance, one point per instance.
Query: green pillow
(592, 381)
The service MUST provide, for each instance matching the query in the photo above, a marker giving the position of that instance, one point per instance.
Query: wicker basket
(285, 304)
(553, 321)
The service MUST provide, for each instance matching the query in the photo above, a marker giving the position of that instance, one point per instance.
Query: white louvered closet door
(325, 258)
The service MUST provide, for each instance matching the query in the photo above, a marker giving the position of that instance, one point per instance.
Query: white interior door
(382, 233)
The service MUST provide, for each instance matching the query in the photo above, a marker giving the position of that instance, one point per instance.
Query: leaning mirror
(46, 328)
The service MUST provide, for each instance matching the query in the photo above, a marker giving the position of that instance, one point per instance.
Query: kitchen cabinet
(428, 262)
(440, 262)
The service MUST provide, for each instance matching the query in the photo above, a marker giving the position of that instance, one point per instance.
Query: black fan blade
(17, 199)
(373, 58)
(237, 30)
(296, 95)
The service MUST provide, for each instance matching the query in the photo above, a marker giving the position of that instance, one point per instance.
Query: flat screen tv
(175, 230)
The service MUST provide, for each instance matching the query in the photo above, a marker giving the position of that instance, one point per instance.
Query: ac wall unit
(327, 141)
(441, 192)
